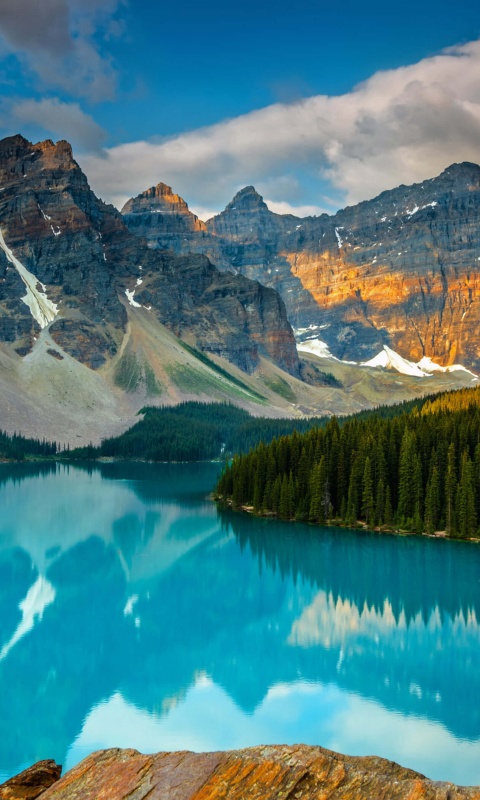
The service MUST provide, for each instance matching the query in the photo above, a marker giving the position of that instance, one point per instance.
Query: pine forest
(418, 471)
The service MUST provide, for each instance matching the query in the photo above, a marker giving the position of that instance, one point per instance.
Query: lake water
(133, 613)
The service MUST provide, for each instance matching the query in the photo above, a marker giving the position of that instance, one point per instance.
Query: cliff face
(258, 773)
(400, 270)
(68, 262)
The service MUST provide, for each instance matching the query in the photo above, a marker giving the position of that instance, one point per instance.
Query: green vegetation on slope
(281, 387)
(220, 371)
(417, 471)
(129, 375)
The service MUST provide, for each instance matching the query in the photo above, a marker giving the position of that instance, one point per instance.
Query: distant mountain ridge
(400, 270)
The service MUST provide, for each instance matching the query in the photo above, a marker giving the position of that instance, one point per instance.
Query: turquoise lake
(133, 613)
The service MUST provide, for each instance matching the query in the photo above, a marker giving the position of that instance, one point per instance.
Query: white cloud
(400, 126)
(58, 41)
(64, 120)
(205, 718)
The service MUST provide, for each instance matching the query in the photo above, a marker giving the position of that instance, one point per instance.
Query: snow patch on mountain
(389, 359)
(427, 364)
(385, 359)
(318, 347)
(41, 308)
(130, 295)
(420, 208)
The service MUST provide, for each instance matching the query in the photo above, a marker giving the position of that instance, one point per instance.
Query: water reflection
(132, 613)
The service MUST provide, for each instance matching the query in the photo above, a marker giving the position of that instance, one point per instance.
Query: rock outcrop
(401, 270)
(258, 773)
(32, 782)
(68, 262)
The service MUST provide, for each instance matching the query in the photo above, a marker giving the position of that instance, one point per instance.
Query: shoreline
(361, 526)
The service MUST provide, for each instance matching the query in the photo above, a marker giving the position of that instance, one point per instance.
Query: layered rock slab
(258, 773)
(32, 782)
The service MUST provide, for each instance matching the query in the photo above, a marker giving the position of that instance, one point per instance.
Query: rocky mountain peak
(247, 199)
(246, 218)
(161, 200)
(464, 173)
(62, 148)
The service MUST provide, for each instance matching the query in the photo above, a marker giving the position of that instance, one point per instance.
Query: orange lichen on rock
(278, 772)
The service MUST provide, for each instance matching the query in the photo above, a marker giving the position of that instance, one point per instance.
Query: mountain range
(400, 270)
(102, 311)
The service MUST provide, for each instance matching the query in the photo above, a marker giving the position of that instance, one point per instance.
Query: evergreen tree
(317, 491)
(388, 514)
(466, 511)
(385, 467)
(277, 488)
(450, 491)
(380, 503)
(432, 501)
(406, 479)
(368, 502)
(284, 509)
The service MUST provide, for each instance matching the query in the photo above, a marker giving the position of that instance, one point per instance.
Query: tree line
(192, 431)
(418, 471)
(14, 447)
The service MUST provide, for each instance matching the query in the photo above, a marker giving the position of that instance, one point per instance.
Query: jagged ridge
(400, 270)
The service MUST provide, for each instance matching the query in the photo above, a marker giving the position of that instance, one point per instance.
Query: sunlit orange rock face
(429, 312)
(401, 269)
(258, 773)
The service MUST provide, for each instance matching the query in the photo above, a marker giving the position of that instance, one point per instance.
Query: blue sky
(165, 88)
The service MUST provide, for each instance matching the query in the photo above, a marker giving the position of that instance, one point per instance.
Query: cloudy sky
(317, 104)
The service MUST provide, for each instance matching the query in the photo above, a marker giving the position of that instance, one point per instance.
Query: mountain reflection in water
(134, 613)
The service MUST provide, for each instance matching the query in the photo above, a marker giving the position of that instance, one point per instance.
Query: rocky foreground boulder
(32, 782)
(258, 773)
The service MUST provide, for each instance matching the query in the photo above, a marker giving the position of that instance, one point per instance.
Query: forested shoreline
(192, 431)
(417, 472)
